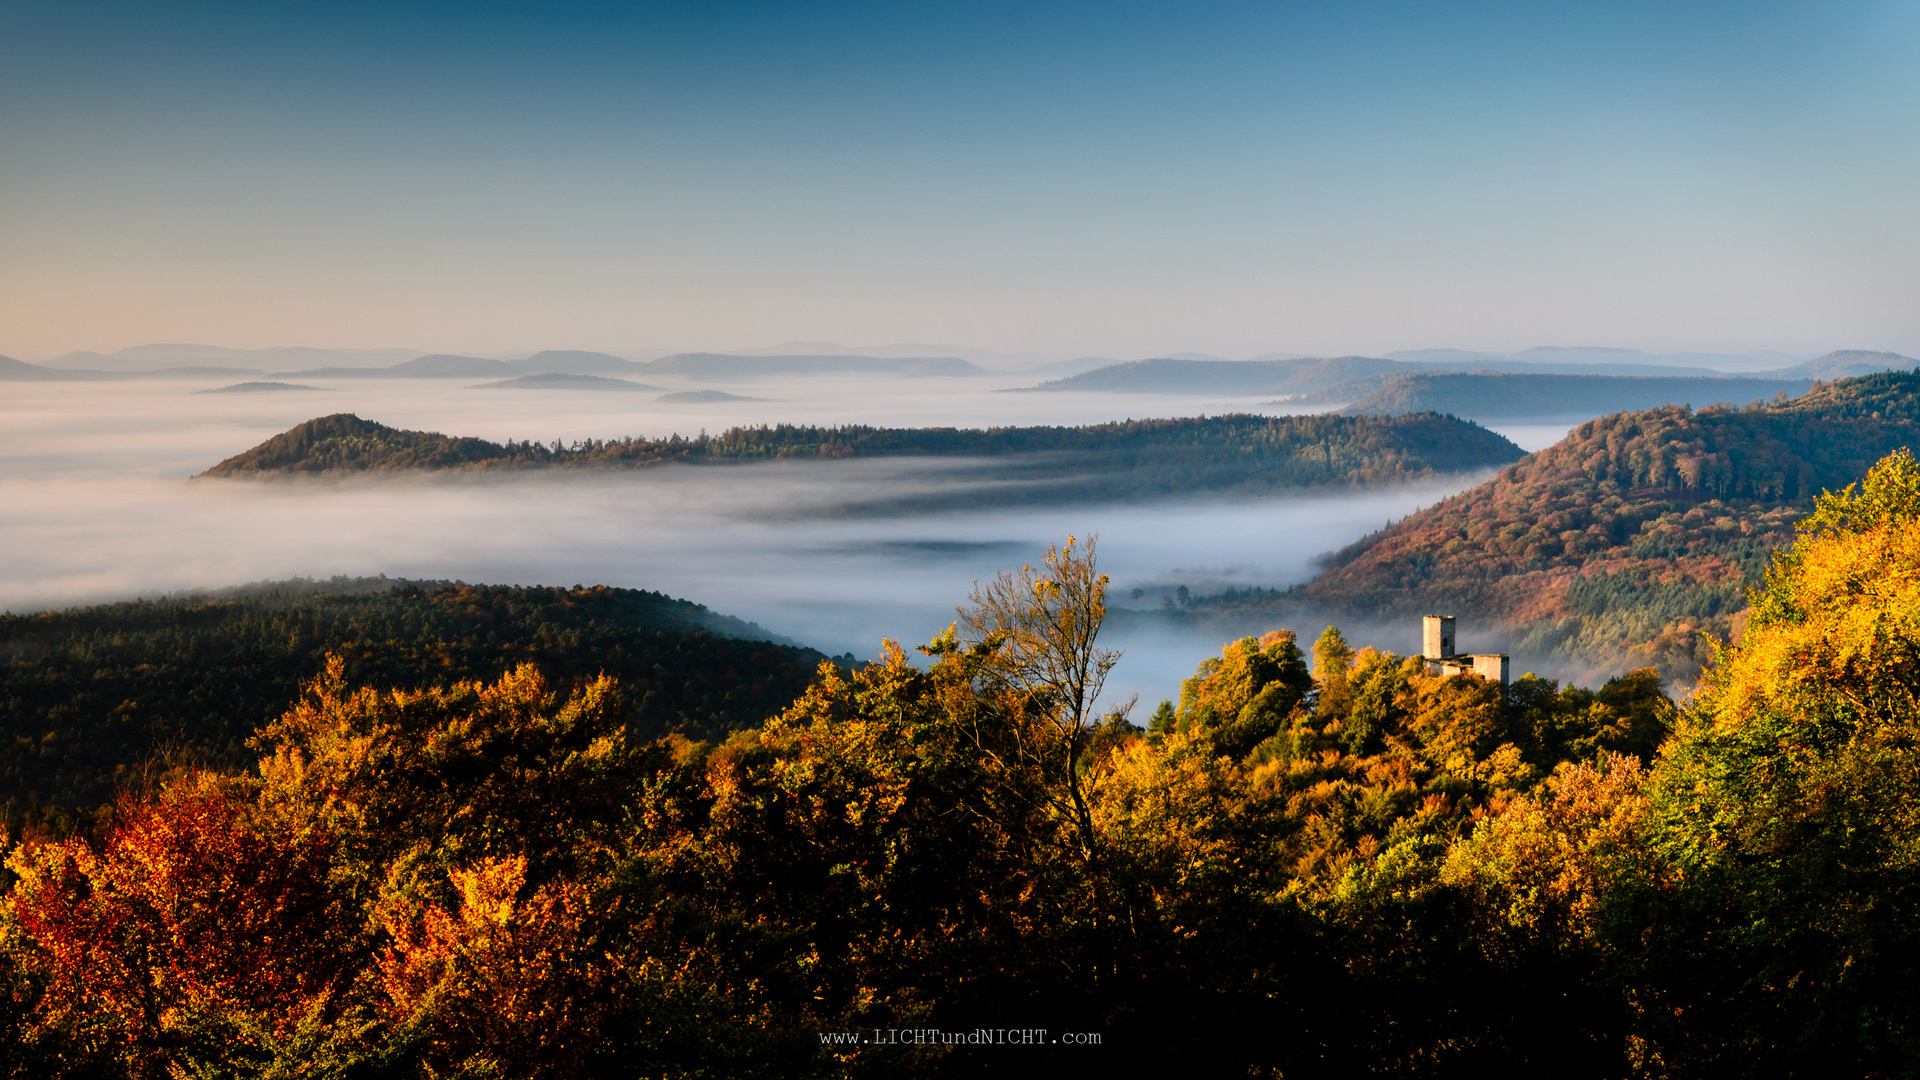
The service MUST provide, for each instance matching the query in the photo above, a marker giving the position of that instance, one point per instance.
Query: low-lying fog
(94, 506)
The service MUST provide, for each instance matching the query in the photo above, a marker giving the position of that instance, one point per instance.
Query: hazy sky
(1066, 178)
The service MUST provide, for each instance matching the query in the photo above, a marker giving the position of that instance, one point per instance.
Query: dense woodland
(1136, 458)
(90, 696)
(1617, 547)
(1323, 861)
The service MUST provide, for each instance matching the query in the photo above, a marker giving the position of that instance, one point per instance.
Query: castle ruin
(1436, 644)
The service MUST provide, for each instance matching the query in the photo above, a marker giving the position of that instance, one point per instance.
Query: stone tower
(1436, 645)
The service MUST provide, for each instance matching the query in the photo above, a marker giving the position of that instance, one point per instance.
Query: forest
(91, 696)
(1323, 860)
(429, 829)
(1620, 546)
(1239, 454)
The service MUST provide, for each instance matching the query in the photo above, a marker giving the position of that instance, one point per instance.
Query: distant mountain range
(1561, 354)
(151, 361)
(12, 370)
(151, 358)
(724, 366)
(1344, 379)
(1840, 364)
(1306, 375)
(1329, 380)
(991, 359)
(1171, 375)
(1492, 397)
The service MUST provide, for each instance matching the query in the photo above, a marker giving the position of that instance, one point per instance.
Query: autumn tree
(883, 854)
(467, 771)
(1788, 801)
(1250, 693)
(504, 978)
(200, 917)
(1040, 627)
(1332, 658)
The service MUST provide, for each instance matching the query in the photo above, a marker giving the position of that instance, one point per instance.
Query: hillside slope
(344, 443)
(89, 693)
(1841, 364)
(12, 370)
(1617, 546)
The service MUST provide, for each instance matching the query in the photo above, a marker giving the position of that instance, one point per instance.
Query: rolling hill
(1241, 454)
(701, 397)
(1620, 545)
(12, 370)
(1339, 379)
(89, 693)
(1589, 357)
(1842, 364)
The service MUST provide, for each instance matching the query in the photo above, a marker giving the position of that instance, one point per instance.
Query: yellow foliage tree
(1251, 692)
(1789, 802)
(505, 980)
(472, 770)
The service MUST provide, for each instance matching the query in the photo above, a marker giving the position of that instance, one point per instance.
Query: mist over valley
(104, 465)
(925, 542)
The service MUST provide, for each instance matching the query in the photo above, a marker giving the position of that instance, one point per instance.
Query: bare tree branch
(1040, 624)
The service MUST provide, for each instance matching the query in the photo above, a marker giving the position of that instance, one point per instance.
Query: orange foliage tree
(197, 906)
(502, 980)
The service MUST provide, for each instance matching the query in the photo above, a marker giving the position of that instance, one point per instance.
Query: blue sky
(1063, 178)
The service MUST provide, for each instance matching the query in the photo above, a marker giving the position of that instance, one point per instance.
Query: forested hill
(345, 443)
(1125, 459)
(1618, 545)
(89, 693)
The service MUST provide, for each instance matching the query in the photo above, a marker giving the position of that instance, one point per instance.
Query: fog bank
(94, 506)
